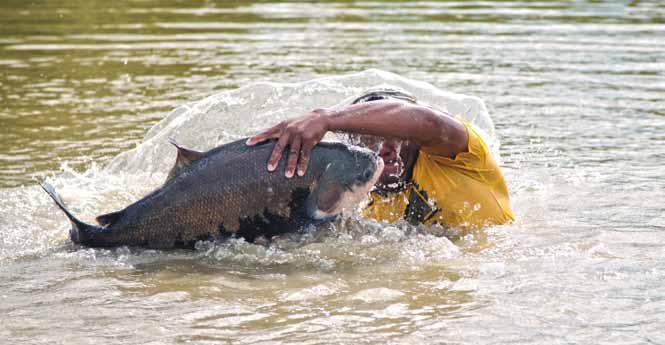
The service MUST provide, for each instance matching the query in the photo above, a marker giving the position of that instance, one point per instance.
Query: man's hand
(300, 135)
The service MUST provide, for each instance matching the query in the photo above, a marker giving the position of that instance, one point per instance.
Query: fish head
(345, 182)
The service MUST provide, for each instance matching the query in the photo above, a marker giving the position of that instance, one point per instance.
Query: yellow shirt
(468, 191)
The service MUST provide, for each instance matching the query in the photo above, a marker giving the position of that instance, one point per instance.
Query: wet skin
(394, 129)
(398, 156)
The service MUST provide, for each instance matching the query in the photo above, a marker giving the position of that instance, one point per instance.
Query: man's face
(390, 151)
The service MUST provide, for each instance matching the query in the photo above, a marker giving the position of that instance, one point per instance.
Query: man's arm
(432, 131)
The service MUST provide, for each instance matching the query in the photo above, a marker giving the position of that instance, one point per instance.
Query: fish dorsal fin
(184, 158)
(109, 218)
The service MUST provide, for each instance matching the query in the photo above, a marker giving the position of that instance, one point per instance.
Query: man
(437, 168)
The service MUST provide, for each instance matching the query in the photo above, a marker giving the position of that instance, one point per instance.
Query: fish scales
(228, 191)
(228, 188)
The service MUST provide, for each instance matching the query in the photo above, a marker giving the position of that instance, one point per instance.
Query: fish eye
(367, 175)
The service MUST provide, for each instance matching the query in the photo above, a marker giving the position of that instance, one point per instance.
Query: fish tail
(79, 230)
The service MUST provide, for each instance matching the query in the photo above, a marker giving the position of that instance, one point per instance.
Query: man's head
(385, 93)
(394, 152)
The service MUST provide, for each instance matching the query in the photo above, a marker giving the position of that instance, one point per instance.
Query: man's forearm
(433, 132)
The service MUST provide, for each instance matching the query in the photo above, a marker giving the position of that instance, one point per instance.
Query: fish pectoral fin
(109, 218)
(184, 158)
(324, 199)
(329, 198)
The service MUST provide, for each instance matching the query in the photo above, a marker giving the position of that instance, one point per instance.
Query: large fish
(228, 191)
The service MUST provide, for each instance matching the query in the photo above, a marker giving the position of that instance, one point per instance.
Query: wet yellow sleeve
(468, 191)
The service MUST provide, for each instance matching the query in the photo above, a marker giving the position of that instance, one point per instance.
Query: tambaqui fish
(228, 191)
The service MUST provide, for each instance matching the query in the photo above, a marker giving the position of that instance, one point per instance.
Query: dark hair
(385, 94)
(378, 94)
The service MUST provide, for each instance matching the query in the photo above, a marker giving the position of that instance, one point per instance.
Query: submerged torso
(468, 191)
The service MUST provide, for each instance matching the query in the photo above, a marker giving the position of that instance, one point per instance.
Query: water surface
(575, 90)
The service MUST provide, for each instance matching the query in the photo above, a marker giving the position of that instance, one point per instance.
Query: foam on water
(32, 225)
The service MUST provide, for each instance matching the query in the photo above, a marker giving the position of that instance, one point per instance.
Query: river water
(575, 91)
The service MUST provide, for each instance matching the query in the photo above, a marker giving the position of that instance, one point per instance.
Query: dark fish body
(228, 191)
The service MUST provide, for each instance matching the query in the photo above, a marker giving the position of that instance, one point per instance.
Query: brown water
(575, 90)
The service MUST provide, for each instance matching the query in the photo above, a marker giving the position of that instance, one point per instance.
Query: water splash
(31, 224)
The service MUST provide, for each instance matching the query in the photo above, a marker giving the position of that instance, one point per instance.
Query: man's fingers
(277, 152)
(294, 152)
(271, 133)
(304, 158)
